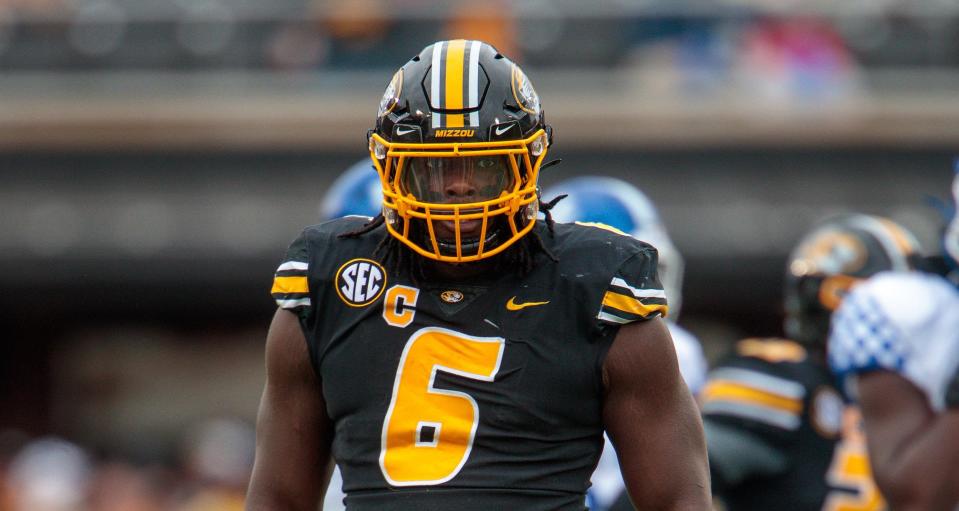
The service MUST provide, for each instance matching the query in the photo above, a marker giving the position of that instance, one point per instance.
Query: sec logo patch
(359, 282)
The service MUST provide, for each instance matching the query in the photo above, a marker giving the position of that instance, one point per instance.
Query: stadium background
(156, 157)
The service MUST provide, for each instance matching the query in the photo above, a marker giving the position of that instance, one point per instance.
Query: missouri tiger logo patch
(359, 282)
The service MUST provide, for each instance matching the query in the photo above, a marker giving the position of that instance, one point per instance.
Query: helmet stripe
(454, 81)
(903, 239)
(436, 83)
(886, 237)
(474, 83)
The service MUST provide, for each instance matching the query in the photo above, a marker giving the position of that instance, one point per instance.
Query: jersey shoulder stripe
(291, 288)
(755, 396)
(634, 293)
(619, 270)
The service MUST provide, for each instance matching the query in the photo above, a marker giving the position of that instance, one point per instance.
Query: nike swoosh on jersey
(513, 306)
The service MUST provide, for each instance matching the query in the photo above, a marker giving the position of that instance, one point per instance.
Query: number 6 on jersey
(428, 432)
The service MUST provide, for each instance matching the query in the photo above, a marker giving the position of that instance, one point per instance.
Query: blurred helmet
(355, 192)
(458, 144)
(621, 205)
(951, 240)
(833, 257)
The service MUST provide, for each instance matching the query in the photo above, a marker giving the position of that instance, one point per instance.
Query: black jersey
(480, 394)
(777, 392)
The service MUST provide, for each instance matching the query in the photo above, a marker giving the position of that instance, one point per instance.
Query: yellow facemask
(458, 226)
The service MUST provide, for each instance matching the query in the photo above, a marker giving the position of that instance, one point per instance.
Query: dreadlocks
(520, 257)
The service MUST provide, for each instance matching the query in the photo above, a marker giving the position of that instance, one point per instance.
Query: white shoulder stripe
(293, 265)
(294, 303)
(605, 316)
(639, 293)
(762, 381)
(778, 418)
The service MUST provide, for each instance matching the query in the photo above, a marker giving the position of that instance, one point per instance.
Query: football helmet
(618, 204)
(832, 258)
(458, 144)
(951, 240)
(355, 192)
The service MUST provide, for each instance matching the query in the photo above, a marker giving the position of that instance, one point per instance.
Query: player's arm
(293, 432)
(653, 422)
(914, 452)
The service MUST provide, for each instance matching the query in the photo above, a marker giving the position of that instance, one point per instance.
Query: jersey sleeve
(904, 323)
(634, 293)
(755, 396)
(291, 286)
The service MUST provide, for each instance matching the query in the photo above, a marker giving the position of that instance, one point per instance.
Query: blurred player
(777, 431)
(618, 204)
(895, 345)
(354, 192)
(456, 353)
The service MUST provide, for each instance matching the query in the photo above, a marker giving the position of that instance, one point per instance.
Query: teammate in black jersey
(779, 434)
(455, 352)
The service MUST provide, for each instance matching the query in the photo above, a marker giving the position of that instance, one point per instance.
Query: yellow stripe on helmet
(455, 53)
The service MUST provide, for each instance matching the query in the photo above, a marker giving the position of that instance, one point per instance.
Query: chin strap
(550, 163)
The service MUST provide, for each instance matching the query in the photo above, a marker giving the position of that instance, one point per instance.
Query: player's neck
(459, 271)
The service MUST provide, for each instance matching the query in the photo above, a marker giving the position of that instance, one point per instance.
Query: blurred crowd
(209, 473)
(303, 35)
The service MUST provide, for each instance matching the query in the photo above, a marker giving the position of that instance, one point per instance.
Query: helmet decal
(391, 95)
(832, 252)
(524, 93)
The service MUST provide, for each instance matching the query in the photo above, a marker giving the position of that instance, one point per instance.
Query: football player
(895, 345)
(455, 352)
(778, 433)
(620, 205)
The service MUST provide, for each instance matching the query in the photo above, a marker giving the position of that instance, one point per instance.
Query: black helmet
(834, 256)
(458, 144)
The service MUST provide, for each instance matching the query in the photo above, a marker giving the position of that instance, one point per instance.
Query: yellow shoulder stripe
(725, 390)
(286, 285)
(455, 54)
(772, 350)
(632, 305)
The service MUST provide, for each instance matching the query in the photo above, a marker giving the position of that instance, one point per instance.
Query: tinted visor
(458, 180)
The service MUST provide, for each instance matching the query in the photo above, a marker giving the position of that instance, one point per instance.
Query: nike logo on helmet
(504, 129)
(513, 306)
(401, 131)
